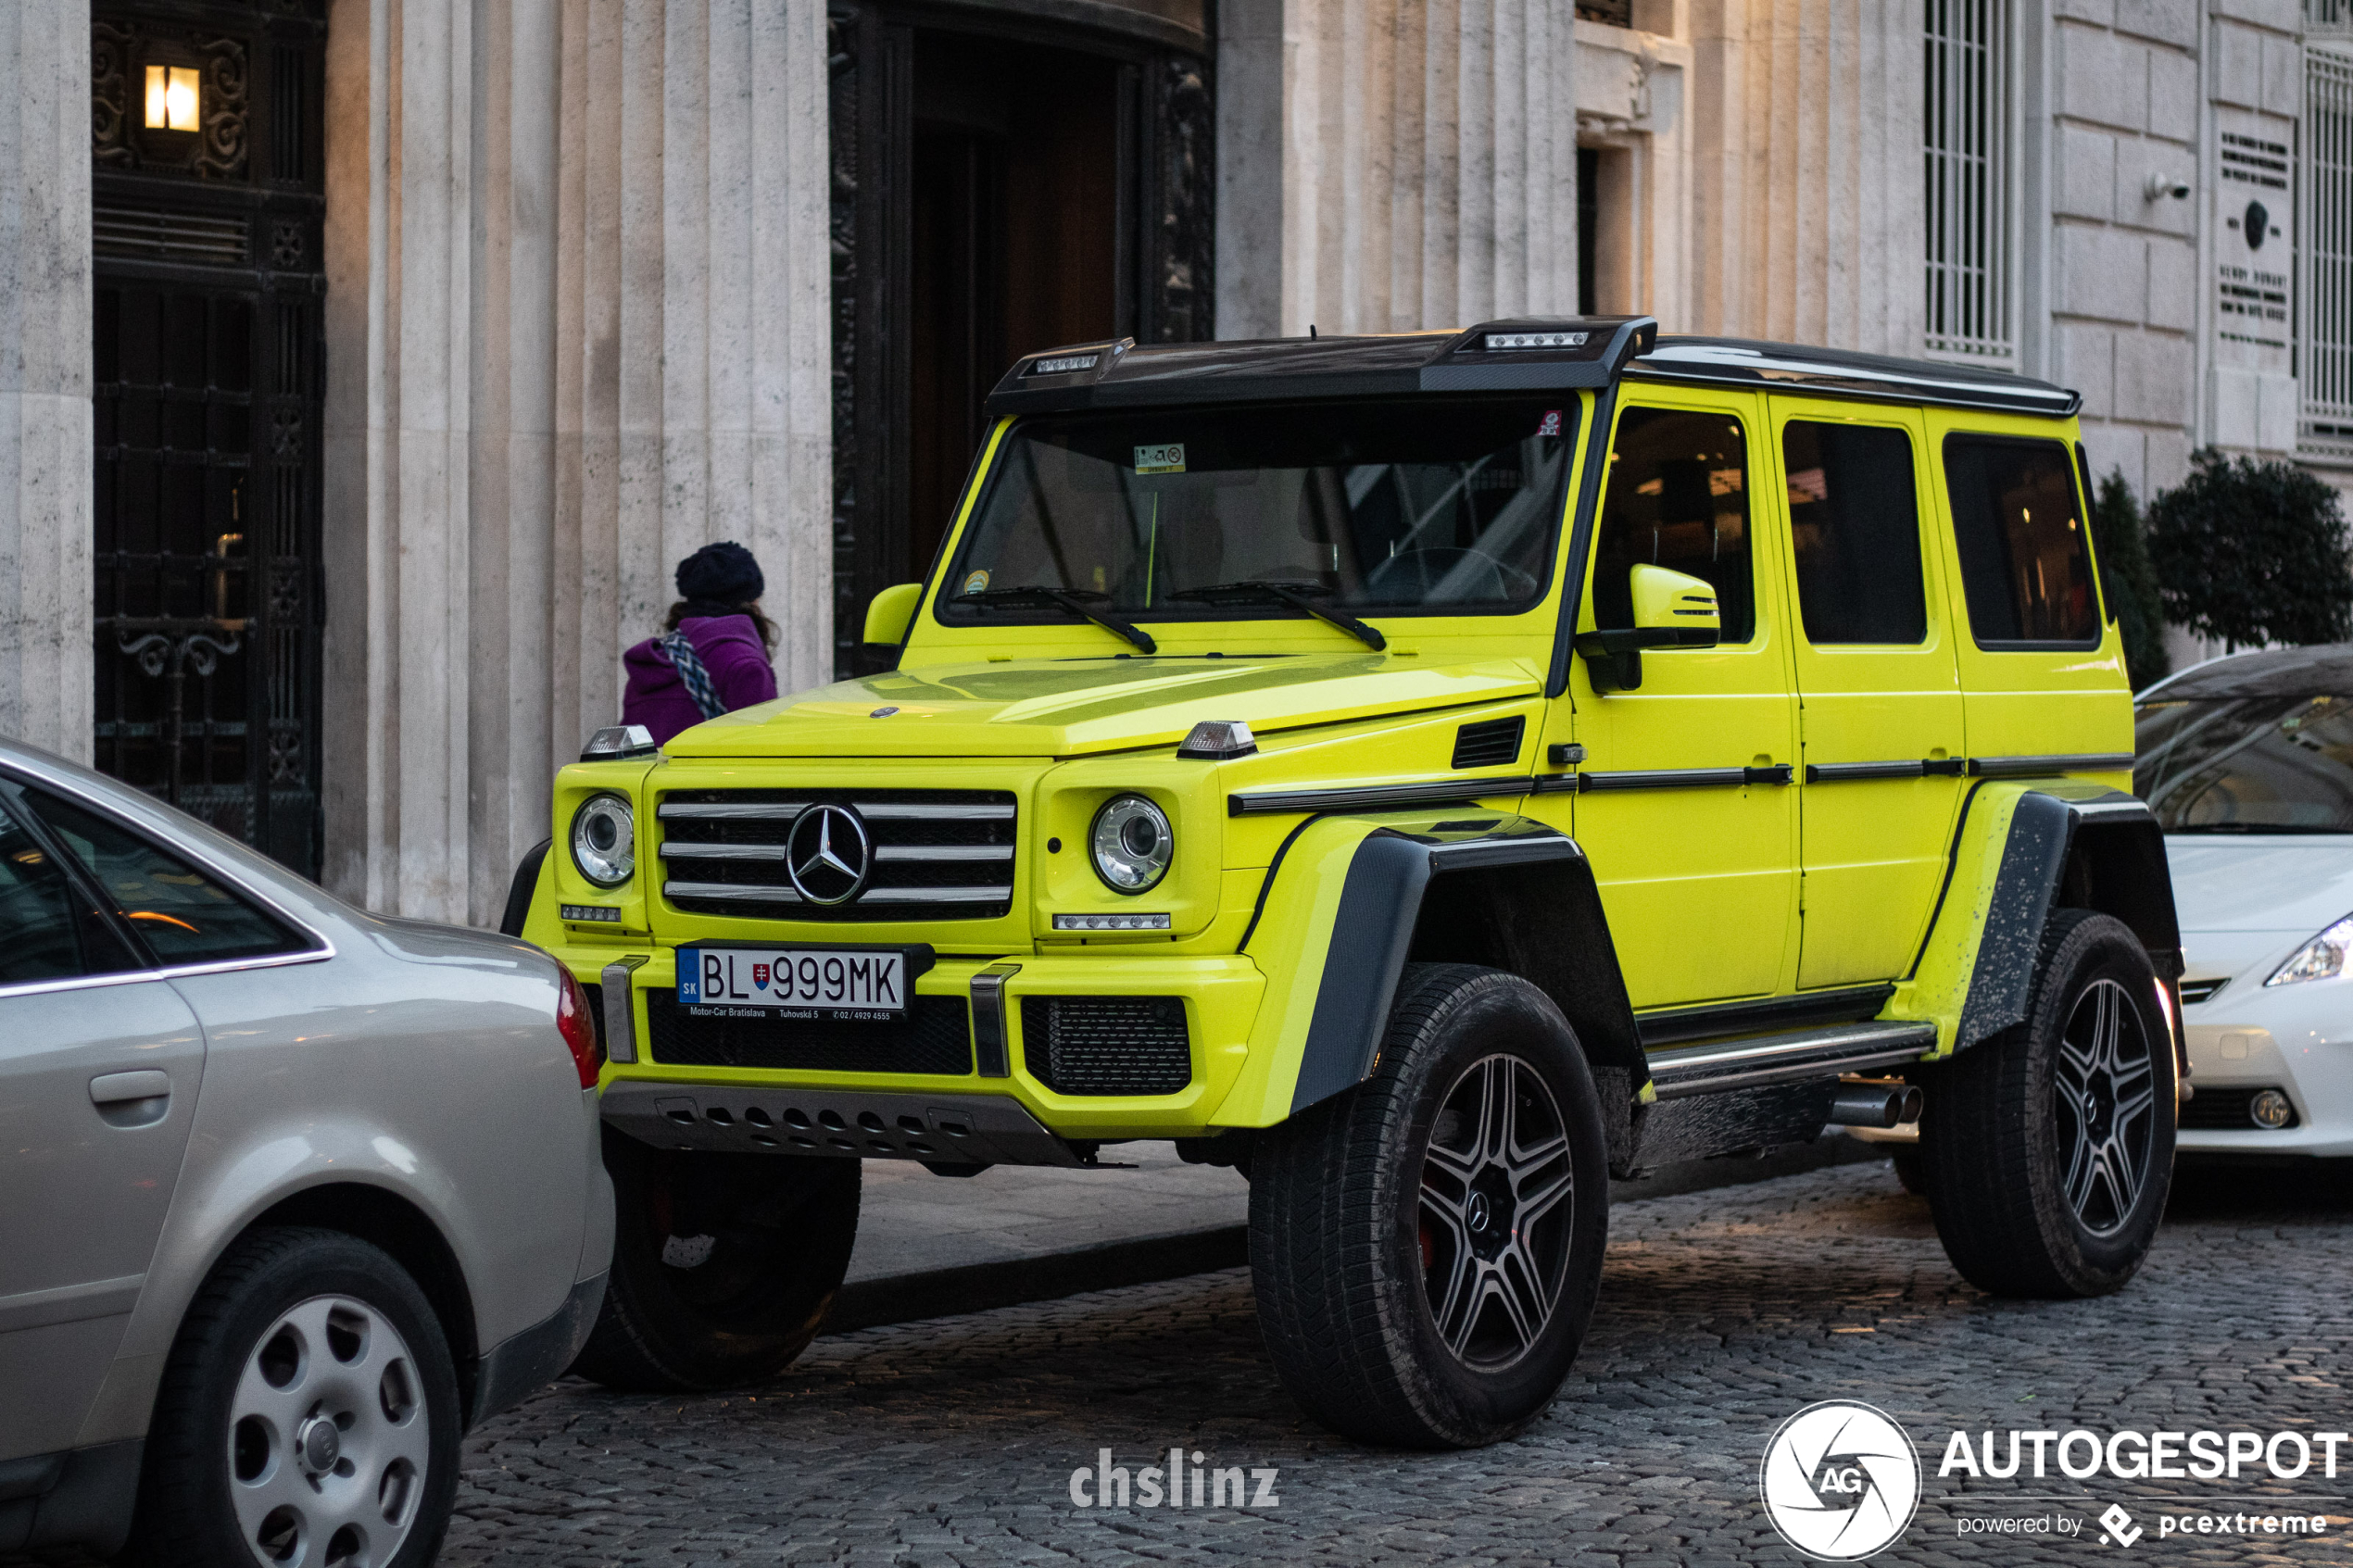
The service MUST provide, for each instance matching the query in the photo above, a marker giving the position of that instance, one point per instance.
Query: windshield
(2253, 764)
(1433, 504)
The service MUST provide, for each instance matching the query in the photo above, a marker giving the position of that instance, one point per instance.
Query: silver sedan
(290, 1195)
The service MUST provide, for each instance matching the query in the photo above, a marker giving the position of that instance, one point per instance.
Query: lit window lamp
(171, 98)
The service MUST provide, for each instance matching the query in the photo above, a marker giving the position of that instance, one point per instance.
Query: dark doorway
(1002, 183)
(207, 201)
(1014, 240)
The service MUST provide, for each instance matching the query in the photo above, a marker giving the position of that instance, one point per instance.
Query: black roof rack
(1837, 372)
(1530, 354)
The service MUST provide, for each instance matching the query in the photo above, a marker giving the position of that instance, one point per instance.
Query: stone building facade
(514, 302)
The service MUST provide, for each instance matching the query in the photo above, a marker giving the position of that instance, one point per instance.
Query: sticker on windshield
(975, 582)
(1167, 458)
(1551, 422)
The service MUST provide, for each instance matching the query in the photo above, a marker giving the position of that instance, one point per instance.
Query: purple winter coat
(731, 650)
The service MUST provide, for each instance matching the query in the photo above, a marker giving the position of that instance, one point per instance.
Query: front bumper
(2295, 1038)
(999, 1066)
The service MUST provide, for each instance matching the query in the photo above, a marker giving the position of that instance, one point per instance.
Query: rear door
(2042, 668)
(1879, 693)
(98, 1075)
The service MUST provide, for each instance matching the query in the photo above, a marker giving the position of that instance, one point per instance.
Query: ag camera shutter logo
(1839, 1481)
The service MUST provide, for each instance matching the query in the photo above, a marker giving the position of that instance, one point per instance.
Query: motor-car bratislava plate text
(794, 982)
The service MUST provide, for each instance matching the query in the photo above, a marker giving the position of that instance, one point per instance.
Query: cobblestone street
(952, 1442)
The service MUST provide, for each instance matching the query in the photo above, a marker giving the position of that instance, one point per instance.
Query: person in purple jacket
(713, 655)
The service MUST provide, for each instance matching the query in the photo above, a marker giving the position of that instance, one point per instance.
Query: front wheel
(724, 1265)
(2048, 1150)
(1427, 1247)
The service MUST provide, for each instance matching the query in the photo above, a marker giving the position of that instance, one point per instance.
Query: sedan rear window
(2250, 765)
(182, 915)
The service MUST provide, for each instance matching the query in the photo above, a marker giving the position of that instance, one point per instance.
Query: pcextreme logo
(1840, 1480)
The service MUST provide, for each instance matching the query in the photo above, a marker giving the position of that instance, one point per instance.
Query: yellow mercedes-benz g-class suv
(1430, 773)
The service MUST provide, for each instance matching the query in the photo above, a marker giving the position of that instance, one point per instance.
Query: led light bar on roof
(1063, 364)
(1497, 342)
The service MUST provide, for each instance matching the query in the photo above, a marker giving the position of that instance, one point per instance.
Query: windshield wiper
(1299, 596)
(1072, 599)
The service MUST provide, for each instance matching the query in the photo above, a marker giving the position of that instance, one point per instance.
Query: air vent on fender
(1492, 743)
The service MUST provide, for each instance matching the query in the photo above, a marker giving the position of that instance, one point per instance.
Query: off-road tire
(186, 1515)
(1995, 1140)
(757, 1247)
(1337, 1217)
(1905, 1159)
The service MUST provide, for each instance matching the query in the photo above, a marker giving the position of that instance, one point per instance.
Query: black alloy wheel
(2047, 1149)
(1426, 1246)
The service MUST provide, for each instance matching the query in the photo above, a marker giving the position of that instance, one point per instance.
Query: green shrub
(2129, 581)
(2252, 553)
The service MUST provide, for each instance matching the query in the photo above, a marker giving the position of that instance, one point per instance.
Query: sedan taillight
(579, 1027)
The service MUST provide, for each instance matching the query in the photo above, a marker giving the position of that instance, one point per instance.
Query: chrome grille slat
(722, 851)
(946, 854)
(783, 893)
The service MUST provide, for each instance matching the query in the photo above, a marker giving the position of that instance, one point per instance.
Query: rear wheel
(309, 1414)
(2048, 1150)
(724, 1265)
(1427, 1247)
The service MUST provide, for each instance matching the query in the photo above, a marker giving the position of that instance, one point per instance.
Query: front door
(1878, 688)
(1685, 808)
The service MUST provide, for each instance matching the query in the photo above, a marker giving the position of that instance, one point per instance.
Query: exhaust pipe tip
(1875, 1105)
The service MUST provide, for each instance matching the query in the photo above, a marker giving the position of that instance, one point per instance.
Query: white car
(290, 1195)
(2247, 762)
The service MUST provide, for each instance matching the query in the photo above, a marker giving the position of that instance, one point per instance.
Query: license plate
(854, 986)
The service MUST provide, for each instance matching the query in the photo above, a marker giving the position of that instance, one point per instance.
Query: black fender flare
(2073, 849)
(1517, 895)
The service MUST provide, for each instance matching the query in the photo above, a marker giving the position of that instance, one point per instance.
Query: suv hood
(1071, 706)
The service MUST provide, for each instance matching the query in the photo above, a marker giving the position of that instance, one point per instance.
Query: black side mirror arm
(1614, 659)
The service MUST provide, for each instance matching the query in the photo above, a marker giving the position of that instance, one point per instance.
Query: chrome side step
(1787, 1058)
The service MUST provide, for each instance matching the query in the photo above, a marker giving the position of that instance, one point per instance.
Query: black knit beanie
(719, 578)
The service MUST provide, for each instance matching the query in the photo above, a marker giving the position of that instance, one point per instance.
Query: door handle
(131, 1099)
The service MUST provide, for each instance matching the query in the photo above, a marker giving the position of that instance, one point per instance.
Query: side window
(2024, 566)
(48, 931)
(182, 915)
(1677, 498)
(1855, 520)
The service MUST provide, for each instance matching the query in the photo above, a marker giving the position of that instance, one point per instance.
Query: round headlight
(1133, 843)
(604, 840)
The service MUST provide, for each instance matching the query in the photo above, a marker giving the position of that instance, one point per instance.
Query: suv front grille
(1107, 1045)
(939, 854)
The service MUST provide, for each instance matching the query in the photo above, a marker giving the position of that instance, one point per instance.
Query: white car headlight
(2320, 959)
(1133, 843)
(604, 840)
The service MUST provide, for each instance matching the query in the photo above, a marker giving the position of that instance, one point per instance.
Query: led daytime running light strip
(1111, 922)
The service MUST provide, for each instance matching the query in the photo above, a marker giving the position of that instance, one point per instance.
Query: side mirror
(1672, 609)
(890, 612)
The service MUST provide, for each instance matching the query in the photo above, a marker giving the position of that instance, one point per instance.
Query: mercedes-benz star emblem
(828, 855)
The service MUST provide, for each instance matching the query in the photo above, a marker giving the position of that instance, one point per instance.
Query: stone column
(577, 292)
(45, 676)
(1807, 202)
(1387, 165)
